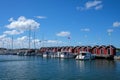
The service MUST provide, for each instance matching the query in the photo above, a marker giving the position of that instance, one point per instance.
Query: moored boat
(67, 55)
(45, 54)
(83, 55)
(57, 54)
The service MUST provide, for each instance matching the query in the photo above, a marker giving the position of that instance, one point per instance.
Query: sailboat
(30, 52)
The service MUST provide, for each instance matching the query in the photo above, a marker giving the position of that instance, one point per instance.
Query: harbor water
(14, 67)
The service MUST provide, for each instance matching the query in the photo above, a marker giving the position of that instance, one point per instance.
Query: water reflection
(96, 64)
(80, 64)
(107, 64)
(37, 68)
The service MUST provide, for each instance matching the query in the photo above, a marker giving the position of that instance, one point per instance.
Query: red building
(79, 49)
(75, 50)
(71, 49)
(111, 50)
(104, 51)
(55, 49)
(87, 48)
(101, 51)
(95, 50)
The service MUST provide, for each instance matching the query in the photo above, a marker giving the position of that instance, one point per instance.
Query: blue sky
(86, 22)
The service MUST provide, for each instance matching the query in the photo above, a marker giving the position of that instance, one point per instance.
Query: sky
(59, 23)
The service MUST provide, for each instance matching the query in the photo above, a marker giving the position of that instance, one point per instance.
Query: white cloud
(41, 17)
(80, 43)
(96, 4)
(20, 42)
(13, 32)
(85, 36)
(35, 40)
(79, 8)
(11, 19)
(23, 42)
(91, 4)
(109, 31)
(49, 41)
(5, 41)
(54, 41)
(98, 7)
(116, 24)
(63, 33)
(85, 29)
(2, 36)
(23, 24)
(23, 38)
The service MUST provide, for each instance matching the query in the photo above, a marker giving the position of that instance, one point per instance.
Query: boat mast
(12, 42)
(34, 40)
(43, 40)
(110, 41)
(29, 36)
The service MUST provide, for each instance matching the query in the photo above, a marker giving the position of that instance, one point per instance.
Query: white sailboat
(30, 52)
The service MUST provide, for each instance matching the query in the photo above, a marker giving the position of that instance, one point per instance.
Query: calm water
(37, 68)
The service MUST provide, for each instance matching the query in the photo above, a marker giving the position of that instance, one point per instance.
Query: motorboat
(45, 54)
(52, 54)
(57, 54)
(67, 55)
(30, 53)
(83, 55)
(20, 53)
